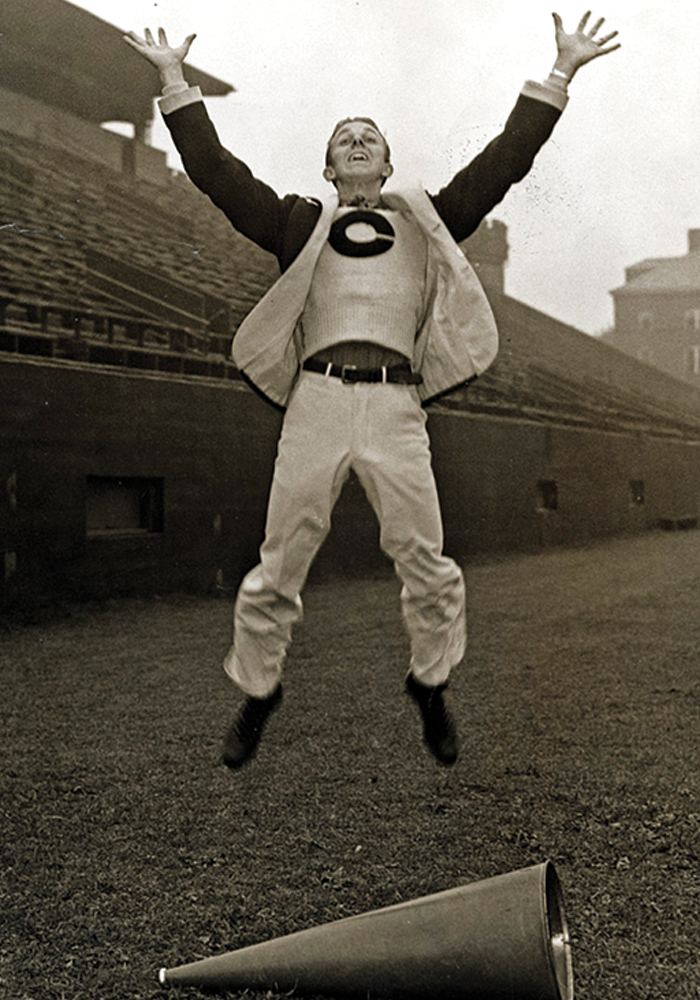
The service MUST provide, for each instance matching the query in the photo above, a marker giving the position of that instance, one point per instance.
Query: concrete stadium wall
(493, 474)
(212, 443)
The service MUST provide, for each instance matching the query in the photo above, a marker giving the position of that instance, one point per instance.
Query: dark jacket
(283, 225)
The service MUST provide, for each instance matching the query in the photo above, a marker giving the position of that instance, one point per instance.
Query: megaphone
(505, 937)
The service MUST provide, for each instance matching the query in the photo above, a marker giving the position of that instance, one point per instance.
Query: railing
(35, 326)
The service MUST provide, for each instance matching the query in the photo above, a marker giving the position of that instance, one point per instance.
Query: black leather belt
(402, 374)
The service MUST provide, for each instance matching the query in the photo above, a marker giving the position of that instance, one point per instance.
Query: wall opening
(547, 494)
(692, 359)
(123, 505)
(637, 496)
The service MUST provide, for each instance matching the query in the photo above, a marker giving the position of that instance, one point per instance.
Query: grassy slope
(126, 846)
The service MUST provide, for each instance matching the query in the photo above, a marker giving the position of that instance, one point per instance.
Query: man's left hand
(576, 49)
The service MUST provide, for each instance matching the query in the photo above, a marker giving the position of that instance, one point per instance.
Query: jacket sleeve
(483, 183)
(252, 207)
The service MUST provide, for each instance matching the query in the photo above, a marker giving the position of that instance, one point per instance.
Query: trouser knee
(259, 603)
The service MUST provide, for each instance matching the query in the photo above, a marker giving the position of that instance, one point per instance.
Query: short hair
(357, 118)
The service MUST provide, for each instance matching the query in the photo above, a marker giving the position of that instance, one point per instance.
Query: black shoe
(241, 741)
(438, 728)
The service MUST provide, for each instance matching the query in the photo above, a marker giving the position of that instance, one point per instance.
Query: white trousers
(379, 431)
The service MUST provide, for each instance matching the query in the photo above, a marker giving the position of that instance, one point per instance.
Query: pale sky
(616, 183)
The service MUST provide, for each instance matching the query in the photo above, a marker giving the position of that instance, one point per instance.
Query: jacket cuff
(180, 99)
(546, 92)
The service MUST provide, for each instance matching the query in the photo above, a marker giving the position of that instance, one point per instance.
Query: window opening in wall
(547, 495)
(637, 492)
(692, 319)
(123, 505)
(693, 359)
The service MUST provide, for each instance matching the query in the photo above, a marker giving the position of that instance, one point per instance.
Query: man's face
(357, 151)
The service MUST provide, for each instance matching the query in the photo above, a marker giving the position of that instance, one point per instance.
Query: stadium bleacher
(111, 257)
(99, 266)
(547, 371)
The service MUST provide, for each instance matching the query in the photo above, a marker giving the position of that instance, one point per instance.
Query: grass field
(126, 846)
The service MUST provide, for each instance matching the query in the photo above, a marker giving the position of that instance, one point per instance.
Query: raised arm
(484, 182)
(251, 206)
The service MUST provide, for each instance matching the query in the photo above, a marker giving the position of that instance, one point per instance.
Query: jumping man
(376, 312)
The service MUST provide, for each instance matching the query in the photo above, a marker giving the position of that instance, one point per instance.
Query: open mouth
(359, 158)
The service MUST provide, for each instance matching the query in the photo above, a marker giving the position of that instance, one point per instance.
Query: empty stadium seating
(127, 268)
(97, 266)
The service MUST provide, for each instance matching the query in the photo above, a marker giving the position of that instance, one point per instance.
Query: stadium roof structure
(66, 57)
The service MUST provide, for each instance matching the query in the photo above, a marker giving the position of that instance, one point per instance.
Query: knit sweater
(368, 283)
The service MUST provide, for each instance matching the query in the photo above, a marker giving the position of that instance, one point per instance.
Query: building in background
(657, 313)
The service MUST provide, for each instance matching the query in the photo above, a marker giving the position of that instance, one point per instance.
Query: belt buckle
(344, 374)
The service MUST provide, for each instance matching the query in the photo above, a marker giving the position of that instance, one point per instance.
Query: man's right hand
(166, 59)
